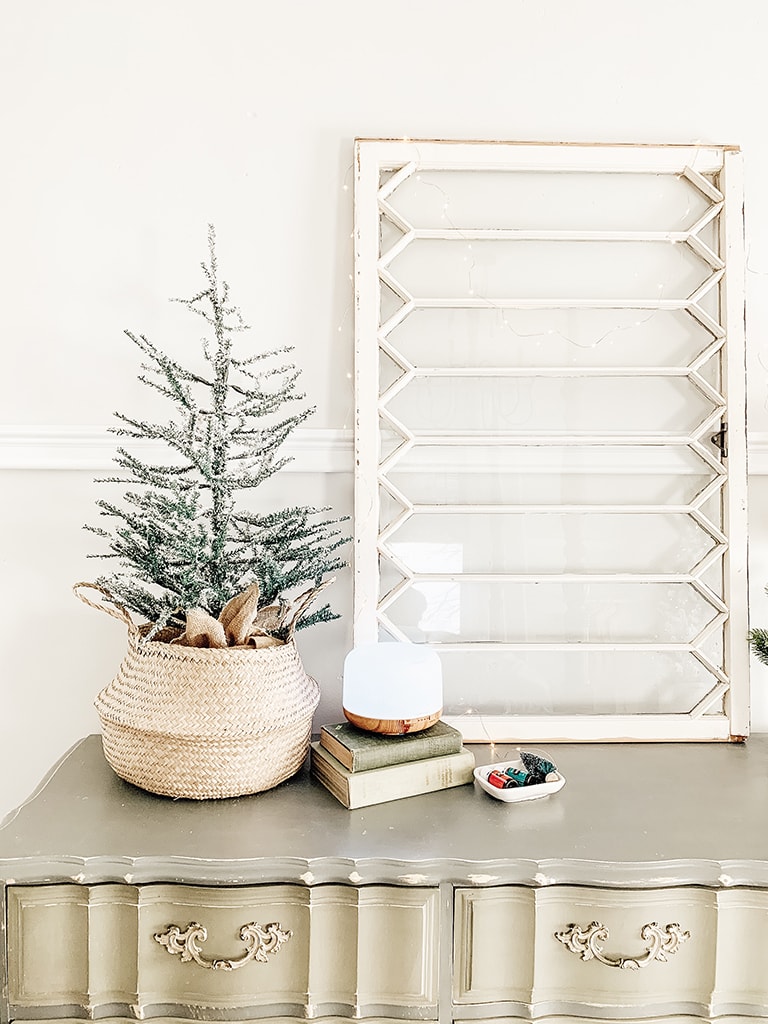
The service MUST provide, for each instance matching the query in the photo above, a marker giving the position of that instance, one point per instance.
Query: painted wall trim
(55, 446)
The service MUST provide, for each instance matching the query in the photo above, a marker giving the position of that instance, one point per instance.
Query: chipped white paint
(354, 878)
(412, 879)
(307, 878)
(392, 428)
(482, 879)
(542, 879)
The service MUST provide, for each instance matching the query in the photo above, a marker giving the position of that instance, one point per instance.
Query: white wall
(127, 126)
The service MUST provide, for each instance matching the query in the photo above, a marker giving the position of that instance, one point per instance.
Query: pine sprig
(758, 639)
(179, 537)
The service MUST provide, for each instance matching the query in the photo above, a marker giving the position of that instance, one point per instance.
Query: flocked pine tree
(181, 538)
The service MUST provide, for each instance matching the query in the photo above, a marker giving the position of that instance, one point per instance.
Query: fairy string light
(504, 312)
(517, 320)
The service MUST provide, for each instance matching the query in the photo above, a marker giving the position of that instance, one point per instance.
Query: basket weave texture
(205, 723)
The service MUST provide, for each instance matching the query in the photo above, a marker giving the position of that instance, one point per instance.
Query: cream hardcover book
(393, 782)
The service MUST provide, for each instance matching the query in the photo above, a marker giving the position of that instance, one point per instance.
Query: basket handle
(115, 609)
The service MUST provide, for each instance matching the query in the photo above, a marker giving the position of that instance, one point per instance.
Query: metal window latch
(720, 440)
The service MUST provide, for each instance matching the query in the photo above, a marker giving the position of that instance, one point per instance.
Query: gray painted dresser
(638, 891)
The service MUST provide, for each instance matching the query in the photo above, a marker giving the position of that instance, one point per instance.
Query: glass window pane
(548, 337)
(460, 610)
(542, 543)
(551, 475)
(436, 268)
(541, 200)
(573, 682)
(552, 405)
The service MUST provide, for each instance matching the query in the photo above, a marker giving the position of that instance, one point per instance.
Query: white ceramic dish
(553, 783)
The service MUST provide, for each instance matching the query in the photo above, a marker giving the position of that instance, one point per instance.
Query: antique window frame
(380, 165)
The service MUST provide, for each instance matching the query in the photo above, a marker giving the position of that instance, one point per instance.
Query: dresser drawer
(493, 945)
(568, 949)
(642, 951)
(194, 951)
(741, 980)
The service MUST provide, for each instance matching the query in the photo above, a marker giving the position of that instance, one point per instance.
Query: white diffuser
(392, 688)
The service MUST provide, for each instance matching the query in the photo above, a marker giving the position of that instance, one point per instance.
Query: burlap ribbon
(241, 622)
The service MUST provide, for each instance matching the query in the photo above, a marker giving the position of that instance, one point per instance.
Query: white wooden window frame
(723, 714)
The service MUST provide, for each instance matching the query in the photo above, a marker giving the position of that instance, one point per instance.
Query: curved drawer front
(567, 949)
(212, 953)
(65, 941)
(742, 952)
(651, 952)
(169, 974)
(493, 945)
(563, 1019)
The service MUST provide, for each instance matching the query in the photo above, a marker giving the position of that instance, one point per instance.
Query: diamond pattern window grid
(703, 305)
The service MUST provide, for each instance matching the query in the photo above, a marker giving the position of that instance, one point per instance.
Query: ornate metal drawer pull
(588, 943)
(260, 943)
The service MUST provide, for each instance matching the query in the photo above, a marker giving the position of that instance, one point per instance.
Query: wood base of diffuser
(392, 726)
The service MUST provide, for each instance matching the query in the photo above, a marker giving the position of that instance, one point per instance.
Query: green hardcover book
(393, 782)
(360, 751)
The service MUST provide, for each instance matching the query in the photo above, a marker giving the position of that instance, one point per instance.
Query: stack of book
(363, 768)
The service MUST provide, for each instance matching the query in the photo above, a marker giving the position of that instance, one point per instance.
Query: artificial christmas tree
(212, 679)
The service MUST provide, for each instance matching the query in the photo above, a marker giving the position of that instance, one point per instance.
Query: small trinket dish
(553, 780)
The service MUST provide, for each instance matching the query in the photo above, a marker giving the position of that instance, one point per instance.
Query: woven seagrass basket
(204, 723)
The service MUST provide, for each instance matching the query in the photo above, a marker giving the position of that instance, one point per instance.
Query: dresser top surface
(630, 814)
